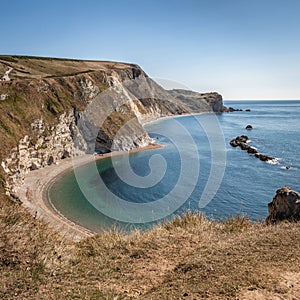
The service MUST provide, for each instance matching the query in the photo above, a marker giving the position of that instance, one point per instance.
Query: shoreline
(174, 117)
(34, 192)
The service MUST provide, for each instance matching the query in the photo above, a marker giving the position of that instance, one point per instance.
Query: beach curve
(33, 193)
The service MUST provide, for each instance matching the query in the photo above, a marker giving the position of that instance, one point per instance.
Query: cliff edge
(52, 107)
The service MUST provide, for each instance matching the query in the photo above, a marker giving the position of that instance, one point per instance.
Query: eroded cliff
(51, 108)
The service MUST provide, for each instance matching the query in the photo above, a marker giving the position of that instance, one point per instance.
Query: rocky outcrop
(242, 142)
(264, 157)
(239, 140)
(231, 109)
(285, 206)
(53, 108)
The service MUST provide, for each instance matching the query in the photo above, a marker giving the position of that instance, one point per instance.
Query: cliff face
(53, 107)
(199, 102)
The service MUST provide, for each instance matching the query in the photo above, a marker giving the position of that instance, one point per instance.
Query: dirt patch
(289, 288)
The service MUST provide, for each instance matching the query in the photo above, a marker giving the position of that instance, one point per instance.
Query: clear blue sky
(244, 49)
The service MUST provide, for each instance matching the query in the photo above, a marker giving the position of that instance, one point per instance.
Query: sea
(196, 170)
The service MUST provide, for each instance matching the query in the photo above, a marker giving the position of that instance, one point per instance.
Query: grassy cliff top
(43, 67)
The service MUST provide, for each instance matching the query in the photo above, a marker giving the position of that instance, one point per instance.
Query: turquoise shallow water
(151, 185)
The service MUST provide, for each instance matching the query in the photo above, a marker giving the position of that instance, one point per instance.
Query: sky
(241, 49)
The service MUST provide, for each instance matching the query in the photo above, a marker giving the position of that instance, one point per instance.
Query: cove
(247, 185)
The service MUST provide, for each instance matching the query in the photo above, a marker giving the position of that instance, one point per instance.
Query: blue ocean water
(196, 170)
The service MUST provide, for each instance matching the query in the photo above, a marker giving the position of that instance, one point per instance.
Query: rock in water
(264, 157)
(249, 127)
(284, 206)
(244, 146)
(239, 140)
(252, 150)
(234, 143)
(242, 138)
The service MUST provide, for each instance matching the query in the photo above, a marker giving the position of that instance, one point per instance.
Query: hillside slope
(50, 108)
(188, 258)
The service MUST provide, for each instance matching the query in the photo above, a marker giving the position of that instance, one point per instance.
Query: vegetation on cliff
(89, 101)
(190, 257)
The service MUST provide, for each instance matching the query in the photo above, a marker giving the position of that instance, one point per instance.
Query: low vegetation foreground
(188, 258)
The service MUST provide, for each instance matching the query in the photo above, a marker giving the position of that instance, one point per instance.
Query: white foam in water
(287, 168)
(274, 161)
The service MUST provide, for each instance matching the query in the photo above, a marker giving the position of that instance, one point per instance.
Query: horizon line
(268, 99)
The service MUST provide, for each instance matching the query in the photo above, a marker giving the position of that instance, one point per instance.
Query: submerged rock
(284, 206)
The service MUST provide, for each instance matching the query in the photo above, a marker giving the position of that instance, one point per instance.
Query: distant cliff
(52, 107)
(199, 102)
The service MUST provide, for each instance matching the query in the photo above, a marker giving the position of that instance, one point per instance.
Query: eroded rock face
(284, 206)
(46, 146)
(87, 106)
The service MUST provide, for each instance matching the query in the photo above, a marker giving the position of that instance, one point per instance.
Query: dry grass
(30, 67)
(187, 258)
